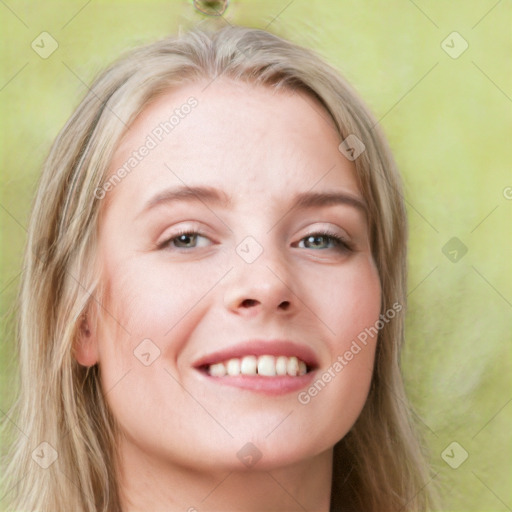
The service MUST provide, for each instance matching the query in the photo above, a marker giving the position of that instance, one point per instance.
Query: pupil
(316, 240)
(185, 239)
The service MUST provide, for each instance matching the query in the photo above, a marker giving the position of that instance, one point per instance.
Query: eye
(185, 240)
(325, 240)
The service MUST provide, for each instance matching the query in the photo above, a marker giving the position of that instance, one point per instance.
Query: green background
(449, 124)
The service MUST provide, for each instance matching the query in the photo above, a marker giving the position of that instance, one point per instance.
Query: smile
(264, 365)
(274, 367)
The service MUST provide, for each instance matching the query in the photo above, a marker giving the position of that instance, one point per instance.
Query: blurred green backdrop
(438, 76)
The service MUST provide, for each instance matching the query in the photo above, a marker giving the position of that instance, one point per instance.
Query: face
(239, 236)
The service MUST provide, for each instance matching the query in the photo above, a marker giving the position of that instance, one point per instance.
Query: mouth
(273, 367)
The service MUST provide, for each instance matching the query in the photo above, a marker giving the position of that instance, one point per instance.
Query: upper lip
(259, 348)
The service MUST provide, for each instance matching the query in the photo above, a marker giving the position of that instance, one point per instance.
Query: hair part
(378, 465)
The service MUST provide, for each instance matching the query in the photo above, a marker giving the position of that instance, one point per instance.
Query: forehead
(243, 138)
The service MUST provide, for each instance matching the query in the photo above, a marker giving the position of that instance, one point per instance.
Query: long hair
(378, 465)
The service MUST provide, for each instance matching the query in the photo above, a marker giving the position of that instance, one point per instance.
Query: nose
(259, 288)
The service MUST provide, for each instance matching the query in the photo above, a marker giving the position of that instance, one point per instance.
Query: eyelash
(340, 243)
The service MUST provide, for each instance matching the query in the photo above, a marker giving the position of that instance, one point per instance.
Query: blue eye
(324, 241)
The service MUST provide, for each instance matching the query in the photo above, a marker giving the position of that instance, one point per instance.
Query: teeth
(249, 365)
(233, 367)
(281, 364)
(217, 370)
(293, 366)
(267, 366)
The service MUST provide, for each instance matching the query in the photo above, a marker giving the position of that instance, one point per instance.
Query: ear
(86, 343)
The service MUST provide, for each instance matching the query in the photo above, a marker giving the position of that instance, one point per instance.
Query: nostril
(248, 303)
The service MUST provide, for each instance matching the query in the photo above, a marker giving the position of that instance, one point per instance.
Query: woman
(213, 303)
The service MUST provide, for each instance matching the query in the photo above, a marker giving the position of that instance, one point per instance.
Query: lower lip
(266, 385)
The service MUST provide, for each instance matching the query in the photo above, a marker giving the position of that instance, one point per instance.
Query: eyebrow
(213, 196)
(207, 195)
(319, 199)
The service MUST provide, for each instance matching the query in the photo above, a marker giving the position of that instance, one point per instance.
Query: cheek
(348, 300)
(148, 315)
(349, 310)
(147, 310)
(148, 297)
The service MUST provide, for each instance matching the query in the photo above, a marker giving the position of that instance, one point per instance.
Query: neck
(147, 483)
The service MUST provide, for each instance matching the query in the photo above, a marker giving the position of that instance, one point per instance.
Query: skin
(179, 435)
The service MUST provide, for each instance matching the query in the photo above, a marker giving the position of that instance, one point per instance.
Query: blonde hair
(378, 465)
